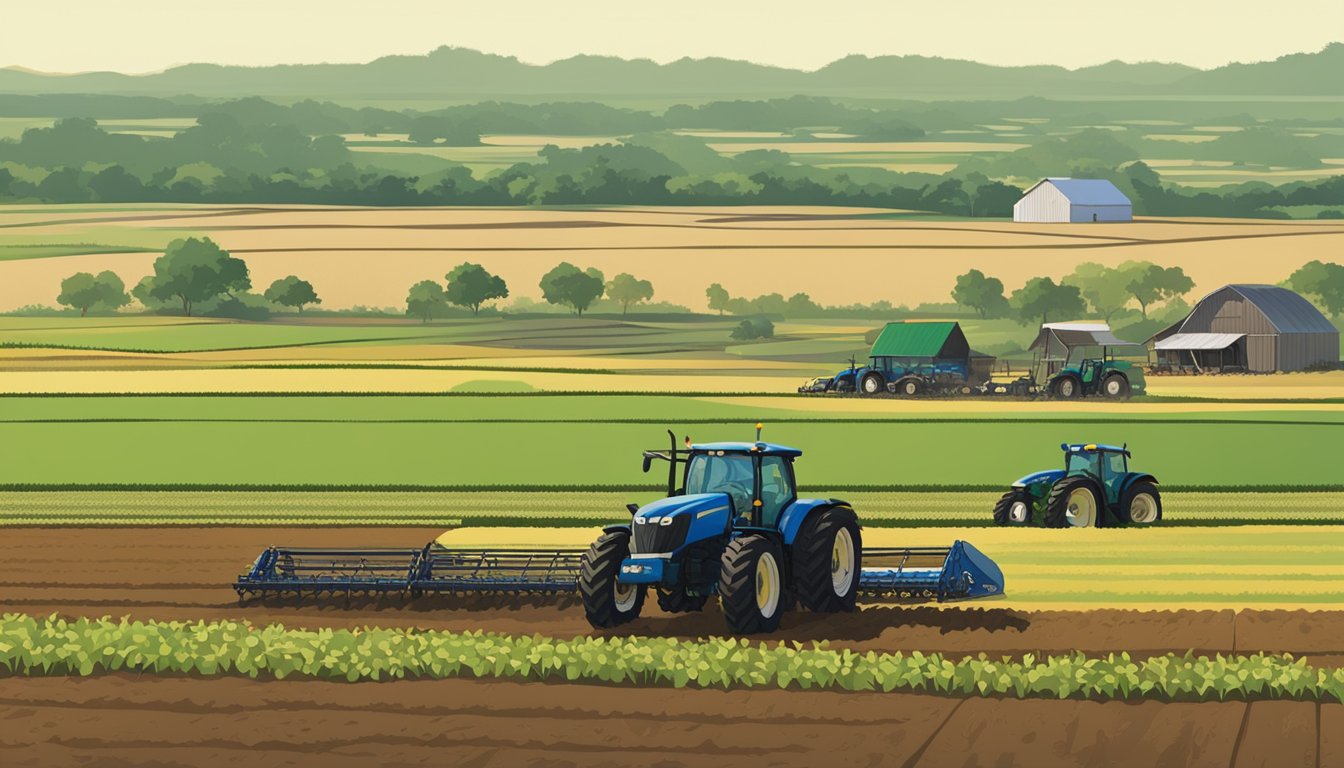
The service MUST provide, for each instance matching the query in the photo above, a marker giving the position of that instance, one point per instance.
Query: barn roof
(1086, 191)
(1287, 311)
(913, 339)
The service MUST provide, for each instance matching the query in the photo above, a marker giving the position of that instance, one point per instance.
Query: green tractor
(1081, 360)
(1095, 489)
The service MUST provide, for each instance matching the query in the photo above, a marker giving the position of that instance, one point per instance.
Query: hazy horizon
(145, 36)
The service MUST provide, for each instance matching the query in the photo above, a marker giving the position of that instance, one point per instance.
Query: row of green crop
(578, 508)
(56, 646)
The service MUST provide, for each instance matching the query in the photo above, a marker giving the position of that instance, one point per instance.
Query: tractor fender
(616, 529)
(1048, 477)
(797, 513)
(1133, 478)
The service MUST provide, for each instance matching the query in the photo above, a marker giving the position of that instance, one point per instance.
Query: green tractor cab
(1083, 360)
(1095, 489)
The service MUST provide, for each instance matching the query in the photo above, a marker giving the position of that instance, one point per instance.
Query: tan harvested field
(363, 256)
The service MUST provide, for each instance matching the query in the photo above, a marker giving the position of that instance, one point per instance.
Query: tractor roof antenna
(759, 427)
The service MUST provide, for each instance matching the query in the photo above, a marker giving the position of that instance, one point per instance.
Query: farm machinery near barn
(731, 526)
(1094, 489)
(909, 359)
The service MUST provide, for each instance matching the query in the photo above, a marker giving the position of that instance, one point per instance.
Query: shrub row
(56, 646)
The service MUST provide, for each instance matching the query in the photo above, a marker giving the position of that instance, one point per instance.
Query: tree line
(469, 286)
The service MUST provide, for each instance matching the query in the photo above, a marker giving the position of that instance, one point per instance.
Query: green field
(881, 509)
(557, 441)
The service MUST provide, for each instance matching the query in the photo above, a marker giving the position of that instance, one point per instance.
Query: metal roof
(1185, 341)
(1287, 311)
(912, 339)
(770, 449)
(1087, 191)
(1079, 335)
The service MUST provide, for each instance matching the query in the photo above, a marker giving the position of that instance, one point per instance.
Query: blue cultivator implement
(732, 526)
(917, 573)
(285, 570)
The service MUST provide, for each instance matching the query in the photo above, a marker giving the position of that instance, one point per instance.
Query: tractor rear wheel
(1141, 504)
(908, 387)
(1067, 387)
(751, 585)
(1115, 386)
(1013, 508)
(827, 558)
(1075, 502)
(606, 602)
(677, 601)
(872, 384)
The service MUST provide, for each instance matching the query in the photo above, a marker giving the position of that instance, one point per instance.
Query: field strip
(905, 509)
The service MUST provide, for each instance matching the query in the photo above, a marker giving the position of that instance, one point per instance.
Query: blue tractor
(1094, 489)
(736, 528)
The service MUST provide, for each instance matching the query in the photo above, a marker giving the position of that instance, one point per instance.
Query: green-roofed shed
(920, 339)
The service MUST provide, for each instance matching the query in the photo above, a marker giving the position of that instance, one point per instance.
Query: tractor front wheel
(751, 585)
(1116, 387)
(1075, 502)
(606, 602)
(677, 601)
(827, 561)
(1013, 508)
(1067, 388)
(872, 384)
(1142, 504)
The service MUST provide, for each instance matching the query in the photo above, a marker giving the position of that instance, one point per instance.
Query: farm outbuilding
(1073, 200)
(1257, 328)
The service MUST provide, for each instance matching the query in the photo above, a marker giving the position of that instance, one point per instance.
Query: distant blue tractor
(1095, 489)
(736, 528)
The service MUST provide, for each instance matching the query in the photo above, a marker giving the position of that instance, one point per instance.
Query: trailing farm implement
(731, 526)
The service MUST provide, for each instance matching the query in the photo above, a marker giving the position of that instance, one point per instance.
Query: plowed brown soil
(121, 720)
(186, 573)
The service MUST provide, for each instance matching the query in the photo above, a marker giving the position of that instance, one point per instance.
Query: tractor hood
(1049, 476)
(699, 506)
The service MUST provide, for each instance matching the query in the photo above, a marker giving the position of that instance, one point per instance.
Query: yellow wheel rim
(767, 585)
(1082, 508)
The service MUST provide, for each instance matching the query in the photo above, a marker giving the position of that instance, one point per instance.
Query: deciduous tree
(628, 289)
(470, 285)
(193, 270)
(85, 291)
(575, 288)
(426, 300)
(292, 292)
(981, 293)
(1041, 298)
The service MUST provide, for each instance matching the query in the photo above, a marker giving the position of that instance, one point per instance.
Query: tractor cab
(756, 477)
(1108, 465)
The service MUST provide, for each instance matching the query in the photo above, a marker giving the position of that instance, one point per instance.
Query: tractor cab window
(1086, 462)
(776, 488)
(730, 473)
(1115, 474)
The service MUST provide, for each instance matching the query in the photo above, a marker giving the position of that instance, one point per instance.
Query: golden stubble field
(838, 255)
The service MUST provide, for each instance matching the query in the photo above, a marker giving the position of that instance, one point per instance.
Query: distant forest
(256, 151)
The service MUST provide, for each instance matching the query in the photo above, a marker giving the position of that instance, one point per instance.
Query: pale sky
(150, 35)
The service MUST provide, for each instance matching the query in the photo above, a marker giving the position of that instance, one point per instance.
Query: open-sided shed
(1257, 328)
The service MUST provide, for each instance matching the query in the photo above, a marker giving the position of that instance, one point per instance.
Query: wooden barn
(1073, 200)
(1256, 328)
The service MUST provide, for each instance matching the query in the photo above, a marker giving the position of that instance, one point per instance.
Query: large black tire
(744, 563)
(677, 601)
(1148, 512)
(1004, 513)
(822, 583)
(1115, 387)
(909, 388)
(1057, 506)
(1067, 387)
(872, 384)
(606, 603)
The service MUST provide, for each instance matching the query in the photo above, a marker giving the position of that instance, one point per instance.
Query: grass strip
(84, 646)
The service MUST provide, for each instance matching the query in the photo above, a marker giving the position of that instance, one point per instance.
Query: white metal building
(1073, 200)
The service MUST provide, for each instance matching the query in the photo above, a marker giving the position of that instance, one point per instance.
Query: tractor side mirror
(633, 508)
(648, 462)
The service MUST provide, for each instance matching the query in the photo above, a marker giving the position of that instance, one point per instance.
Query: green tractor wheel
(1115, 386)
(1013, 508)
(1141, 504)
(1075, 502)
